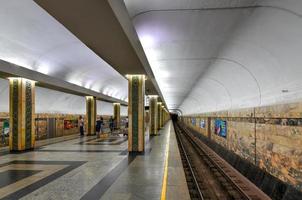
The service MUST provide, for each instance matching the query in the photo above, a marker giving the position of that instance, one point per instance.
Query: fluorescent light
(147, 41)
(43, 69)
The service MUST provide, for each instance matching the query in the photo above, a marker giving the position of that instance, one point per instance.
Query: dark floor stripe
(89, 151)
(28, 189)
(115, 142)
(4, 152)
(101, 187)
(12, 176)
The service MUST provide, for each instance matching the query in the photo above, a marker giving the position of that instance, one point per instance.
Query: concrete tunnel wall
(259, 64)
(51, 101)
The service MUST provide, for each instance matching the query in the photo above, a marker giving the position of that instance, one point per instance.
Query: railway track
(208, 177)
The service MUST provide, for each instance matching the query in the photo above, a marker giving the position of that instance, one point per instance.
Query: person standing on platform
(81, 123)
(98, 127)
(126, 127)
(111, 124)
(102, 125)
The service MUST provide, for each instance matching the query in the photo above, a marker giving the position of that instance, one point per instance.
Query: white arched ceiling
(216, 55)
(31, 38)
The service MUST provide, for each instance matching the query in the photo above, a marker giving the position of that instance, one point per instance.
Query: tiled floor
(90, 168)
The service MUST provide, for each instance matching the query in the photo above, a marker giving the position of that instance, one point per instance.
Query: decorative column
(208, 127)
(153, 114)
(159, 115)
(136, 107)
(162, 116)
(117, 114)
(22, 111)
(90, 115)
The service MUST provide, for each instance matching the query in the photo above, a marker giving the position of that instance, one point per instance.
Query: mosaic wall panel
(278, 142)
(241, 139)
(293, 110)
(279, 151)
(248, 112)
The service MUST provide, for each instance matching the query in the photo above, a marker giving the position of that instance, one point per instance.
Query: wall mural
(202, 123)
(220, 128)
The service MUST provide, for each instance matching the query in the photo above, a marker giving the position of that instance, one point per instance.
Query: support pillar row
(90, 115)
(117, 114)
(162, 122)
(153, 115)
(159, 114)
(136, 107)
(22, 111)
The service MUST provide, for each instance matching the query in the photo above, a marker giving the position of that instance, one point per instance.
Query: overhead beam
(96, 25)
(120, 11)
(11, 70)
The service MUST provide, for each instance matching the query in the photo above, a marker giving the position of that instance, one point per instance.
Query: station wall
(269, 137)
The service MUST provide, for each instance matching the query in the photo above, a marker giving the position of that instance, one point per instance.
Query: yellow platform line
(165, 178)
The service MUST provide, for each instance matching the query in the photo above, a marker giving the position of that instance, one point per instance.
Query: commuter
(126, 127)
(98, 127)
(102, 125)
(111, 124)
(3, 141)
(81, 123)
(126, 122)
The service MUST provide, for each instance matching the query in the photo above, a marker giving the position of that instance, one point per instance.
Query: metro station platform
(90, 168)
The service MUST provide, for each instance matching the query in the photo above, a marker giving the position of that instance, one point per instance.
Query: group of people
(99, 128)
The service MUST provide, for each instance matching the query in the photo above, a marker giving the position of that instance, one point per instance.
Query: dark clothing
(98, 125)
(82, 130)
(111, 124)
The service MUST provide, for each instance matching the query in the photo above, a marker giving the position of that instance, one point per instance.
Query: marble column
(208, 127)
(136, 107)
(22, 112)
(153, 115)
(117, 114)
(162, 116)
(90, 115)
(159, 115)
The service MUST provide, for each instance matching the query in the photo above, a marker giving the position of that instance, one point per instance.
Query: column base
(135, 153)
(21, 151)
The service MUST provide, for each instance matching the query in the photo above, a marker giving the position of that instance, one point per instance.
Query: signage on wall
(202, 123)
(221, 128)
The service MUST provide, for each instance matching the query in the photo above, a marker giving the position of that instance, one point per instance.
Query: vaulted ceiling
(210, 55)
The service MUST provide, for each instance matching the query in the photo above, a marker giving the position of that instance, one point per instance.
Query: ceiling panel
(33, 39)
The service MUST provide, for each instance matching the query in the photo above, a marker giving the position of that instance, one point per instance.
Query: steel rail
(222, 172)
(189, 164)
